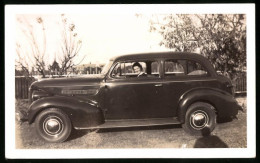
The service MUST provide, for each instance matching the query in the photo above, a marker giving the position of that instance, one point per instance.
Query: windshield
(107, 67)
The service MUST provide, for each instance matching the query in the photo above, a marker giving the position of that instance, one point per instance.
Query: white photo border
(12, 152)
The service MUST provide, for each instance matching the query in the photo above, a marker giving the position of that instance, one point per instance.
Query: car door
(132, 97)
(181, 76)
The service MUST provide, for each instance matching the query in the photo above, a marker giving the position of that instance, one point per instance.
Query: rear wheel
(53, 125)
(200, 119)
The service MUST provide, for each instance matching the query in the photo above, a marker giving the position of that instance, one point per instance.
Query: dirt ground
(231, 134)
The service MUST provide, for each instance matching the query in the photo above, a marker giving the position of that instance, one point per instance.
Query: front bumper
(21, 116)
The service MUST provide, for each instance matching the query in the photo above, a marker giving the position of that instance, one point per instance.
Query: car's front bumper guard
(21, 116)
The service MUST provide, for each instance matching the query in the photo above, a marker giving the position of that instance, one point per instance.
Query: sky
(103, 35)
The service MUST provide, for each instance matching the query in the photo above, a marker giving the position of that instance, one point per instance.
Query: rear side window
(183, 68)
(174, 67)
(195, 68)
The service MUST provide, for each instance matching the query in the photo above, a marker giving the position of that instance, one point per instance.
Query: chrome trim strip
(72, 85)
(189, 81)
(160, 82)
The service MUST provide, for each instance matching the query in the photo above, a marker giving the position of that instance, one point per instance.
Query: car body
(177, 88)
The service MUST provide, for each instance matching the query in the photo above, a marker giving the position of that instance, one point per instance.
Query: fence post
(240, 83)
(22, 86)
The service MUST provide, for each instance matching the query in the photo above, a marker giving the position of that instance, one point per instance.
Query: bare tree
(37, 54)
(21, 62)
(70, 46)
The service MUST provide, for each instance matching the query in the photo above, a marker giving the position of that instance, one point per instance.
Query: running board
(134, 123)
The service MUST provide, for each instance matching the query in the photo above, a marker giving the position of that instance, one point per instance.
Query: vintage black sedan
(134, 90)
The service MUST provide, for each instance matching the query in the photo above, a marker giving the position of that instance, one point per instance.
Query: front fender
(82, 113)
(224, 103)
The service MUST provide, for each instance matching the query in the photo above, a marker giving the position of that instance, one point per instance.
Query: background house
(89, 68)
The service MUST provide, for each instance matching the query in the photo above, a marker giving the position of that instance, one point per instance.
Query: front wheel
(53, 125)
(200, 119)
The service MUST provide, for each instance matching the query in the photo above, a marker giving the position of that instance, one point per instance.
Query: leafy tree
(221, 38)
(54, 68)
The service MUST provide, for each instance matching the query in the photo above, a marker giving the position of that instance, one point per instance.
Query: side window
(183, 68)
(117, 71)
(135, 69)
(174, 67)
(132, 72)
(155, 68)
(194, 68)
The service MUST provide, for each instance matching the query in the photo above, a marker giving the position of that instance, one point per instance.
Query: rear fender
(81, 113)
(224, 103)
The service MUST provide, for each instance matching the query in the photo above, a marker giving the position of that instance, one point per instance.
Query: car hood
(72, 81)
(67, 86)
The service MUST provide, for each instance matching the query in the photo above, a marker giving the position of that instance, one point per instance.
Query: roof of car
(153, 55)
(167, 55)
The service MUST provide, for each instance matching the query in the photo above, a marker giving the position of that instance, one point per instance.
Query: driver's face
(137, 69)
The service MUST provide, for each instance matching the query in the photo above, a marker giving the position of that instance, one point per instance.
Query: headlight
(37, 94)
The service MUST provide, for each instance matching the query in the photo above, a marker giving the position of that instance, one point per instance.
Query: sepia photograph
(130, 81)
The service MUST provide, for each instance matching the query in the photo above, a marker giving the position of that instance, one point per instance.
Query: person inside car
(138, 69)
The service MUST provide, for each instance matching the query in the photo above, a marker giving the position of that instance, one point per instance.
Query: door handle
(158, 85)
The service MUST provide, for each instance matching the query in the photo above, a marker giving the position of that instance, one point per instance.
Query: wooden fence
(22, 85)
(240, 84)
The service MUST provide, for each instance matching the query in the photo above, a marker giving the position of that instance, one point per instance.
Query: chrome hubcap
(53, 125)
(199, 119)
